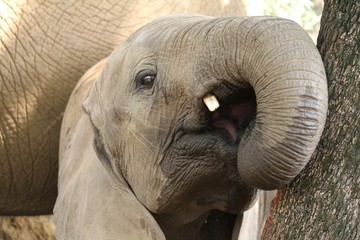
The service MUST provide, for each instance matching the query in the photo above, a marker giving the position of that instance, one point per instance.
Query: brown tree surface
(324, 201)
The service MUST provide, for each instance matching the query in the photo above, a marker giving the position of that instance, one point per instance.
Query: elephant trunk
(279, 60)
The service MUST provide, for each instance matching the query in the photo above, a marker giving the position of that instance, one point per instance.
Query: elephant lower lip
(214, 143)
(228, 125)
(234, 117)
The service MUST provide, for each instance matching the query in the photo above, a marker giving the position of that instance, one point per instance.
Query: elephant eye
(148, 81)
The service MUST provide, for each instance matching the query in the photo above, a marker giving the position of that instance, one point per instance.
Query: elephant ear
(93, 108)
(92, 105)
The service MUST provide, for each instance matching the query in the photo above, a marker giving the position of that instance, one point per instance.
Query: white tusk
(211, 102)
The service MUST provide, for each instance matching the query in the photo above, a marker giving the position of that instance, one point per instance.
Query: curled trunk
(282, 64)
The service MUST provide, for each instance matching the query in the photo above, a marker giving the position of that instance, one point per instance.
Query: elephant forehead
(167, 28)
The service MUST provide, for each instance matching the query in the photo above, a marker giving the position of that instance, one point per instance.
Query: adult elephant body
(142, 156)
(45, 47)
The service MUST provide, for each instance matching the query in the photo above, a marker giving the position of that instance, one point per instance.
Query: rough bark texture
(323, 202)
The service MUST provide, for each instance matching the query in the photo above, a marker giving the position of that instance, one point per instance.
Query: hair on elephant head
(192, 114)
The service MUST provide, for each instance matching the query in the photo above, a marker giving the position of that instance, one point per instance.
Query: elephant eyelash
(145, 80)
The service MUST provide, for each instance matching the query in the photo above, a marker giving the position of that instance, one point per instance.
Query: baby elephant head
(195, 113)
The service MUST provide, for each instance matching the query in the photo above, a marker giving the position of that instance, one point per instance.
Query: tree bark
(323, 201)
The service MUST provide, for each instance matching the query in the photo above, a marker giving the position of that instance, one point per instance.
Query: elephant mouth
(235, 114)
(204, 156)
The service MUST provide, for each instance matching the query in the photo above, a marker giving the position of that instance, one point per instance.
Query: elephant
(172, 135)
(45, 47)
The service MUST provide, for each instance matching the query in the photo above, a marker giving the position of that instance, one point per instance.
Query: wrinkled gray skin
(45, 47)
(143, 158)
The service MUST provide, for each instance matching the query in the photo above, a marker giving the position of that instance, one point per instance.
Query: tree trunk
(324, 201)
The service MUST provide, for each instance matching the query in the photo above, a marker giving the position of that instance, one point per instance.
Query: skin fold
(45, 47)
(140, 154)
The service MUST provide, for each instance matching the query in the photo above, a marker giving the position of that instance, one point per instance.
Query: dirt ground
(27, 228)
